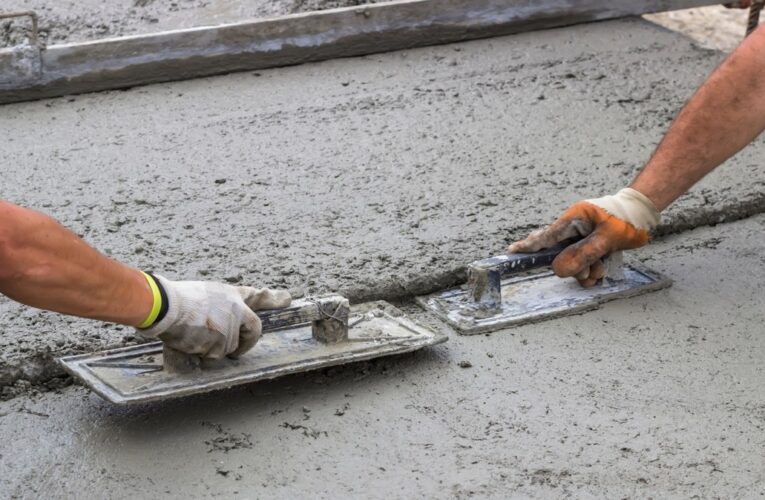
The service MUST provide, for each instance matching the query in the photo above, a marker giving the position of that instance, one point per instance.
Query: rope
(325, 315)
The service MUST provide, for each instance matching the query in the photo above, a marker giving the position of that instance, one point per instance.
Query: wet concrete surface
(378, 177)
(68, 21)
(658, 396)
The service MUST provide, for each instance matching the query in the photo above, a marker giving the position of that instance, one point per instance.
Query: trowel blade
(537, 297)
(135, 374)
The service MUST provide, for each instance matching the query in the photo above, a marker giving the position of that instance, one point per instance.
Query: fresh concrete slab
(35, 72)
(375, 177)
(657, 396)
(69, 21)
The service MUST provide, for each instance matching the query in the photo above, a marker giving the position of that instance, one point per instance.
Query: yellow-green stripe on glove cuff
(156, 306)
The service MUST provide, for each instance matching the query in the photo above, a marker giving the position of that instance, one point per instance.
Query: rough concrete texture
(658, 396)
(376, 177)
(82, 20)
(714, 27)
(75, 21)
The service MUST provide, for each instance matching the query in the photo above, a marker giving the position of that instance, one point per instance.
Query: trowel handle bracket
(328, 317)
(331, 308)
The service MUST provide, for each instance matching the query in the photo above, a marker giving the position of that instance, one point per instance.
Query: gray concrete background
(382, 176)
(658, 396)
(66, 21)
(378, 177)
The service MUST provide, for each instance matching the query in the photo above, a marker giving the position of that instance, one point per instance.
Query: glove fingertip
(281, 298)
(588, 283)
(245, 344)
(568, 264)
(268, 299)
(524, 246)
(515, 247)
(249, 333)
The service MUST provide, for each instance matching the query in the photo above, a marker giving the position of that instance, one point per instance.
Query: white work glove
(213, 320)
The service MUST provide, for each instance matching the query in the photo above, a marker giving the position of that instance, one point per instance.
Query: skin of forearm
(44, 265)
(724, 115)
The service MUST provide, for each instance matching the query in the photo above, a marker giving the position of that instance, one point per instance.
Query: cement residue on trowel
(139, 374)
(531, 298)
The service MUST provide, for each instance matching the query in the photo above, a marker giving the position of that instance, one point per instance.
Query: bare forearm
(724, 115)
(44, 265)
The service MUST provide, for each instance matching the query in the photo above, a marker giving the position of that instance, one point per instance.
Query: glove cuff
(173, 308)
(630, 206)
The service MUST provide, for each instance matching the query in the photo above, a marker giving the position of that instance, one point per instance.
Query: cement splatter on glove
(212, 320)
(607, 224)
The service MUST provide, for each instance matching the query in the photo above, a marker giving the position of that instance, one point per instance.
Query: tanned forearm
(44, 265)
(724, 115)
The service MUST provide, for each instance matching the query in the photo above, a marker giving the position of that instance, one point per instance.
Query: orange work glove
(606, 225)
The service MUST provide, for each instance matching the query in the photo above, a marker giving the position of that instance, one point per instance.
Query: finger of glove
(264, 298)
(562, 229)
(595, 273)
(577, 259)
(249, 334)
(583, 274)
(200, 341)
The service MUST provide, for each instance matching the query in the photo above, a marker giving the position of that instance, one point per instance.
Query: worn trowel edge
(75, 364)
(661, 282)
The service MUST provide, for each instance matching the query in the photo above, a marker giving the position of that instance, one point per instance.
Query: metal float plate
(537, 297)
(135, 374)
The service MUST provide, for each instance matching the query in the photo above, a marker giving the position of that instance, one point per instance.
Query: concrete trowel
(310, 334)
(511, 290)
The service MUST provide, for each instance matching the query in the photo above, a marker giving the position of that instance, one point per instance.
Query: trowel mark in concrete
(660, 396)
(423, 160)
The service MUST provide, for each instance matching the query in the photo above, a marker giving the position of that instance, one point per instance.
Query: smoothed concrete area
(657, 396)
(376, 177)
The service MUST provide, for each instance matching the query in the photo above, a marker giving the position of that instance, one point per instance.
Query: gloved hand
(607, 224)
(213, 320)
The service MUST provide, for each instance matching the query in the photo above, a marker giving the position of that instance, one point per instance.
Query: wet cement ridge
(42, 367)
(352, 31)
(677, 223)
(710, 216)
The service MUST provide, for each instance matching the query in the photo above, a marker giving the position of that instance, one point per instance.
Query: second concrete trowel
(510, 290)
(310, 334)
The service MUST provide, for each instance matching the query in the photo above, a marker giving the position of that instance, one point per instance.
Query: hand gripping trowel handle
(328, 317)
(484, 276)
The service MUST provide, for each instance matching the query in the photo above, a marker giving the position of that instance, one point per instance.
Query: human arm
(724, 115)
(44, 265)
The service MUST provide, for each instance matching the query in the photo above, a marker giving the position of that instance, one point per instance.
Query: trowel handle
(329, 316)
(519, 262)
(302, 311)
